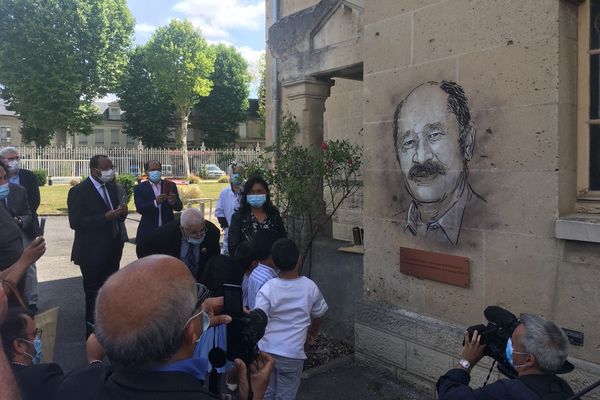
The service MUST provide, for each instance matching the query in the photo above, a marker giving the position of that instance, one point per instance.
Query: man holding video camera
(537, 350)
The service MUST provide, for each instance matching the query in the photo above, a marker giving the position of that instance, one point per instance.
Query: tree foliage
(219, 113)
(148, 112)
(56, 56)
(180, 63)
(262, 93)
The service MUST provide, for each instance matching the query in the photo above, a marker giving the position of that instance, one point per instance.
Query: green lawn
(54, 198)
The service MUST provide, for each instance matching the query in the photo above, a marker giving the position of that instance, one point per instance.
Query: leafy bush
(193, 179)
(74, 181)
(223, 179)
(203, 172)
(41, 176)
(189, 192)
(128, 182)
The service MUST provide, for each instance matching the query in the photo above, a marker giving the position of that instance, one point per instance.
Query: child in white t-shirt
(294, 305)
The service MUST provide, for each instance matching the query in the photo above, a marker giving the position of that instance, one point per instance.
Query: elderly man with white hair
(190, 238)
(26, 178)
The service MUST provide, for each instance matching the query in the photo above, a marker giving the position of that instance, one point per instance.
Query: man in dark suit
(95, 214)
(150, 316)
(26, 179)
(191, 238)
(155, 199)
(22, 343)
(11, 238)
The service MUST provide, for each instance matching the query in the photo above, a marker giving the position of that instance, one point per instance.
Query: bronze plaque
(435, 266)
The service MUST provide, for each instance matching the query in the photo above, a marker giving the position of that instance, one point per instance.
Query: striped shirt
(259, 276)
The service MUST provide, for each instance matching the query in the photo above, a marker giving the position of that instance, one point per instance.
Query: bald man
(150, 343)
(190, 238)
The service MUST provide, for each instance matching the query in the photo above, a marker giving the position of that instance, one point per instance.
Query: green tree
(262, 93)
(219, 113)
(56, 56)
(180, 63)
(148, 112)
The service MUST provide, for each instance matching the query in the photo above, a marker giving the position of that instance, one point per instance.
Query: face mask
(510, 352)
(37, 346)
(196, 241)
(107, 176)
(13, 166)
(4, 190)
(154, 176)
(256, 200)
(236, 179)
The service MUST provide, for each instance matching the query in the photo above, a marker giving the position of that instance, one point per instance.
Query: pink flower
(324, 146)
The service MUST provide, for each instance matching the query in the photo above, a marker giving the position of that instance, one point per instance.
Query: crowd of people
(174, 343)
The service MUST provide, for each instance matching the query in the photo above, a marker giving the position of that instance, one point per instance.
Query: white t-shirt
(289, 304)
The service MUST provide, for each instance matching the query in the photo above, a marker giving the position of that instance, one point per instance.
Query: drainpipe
(275, 87)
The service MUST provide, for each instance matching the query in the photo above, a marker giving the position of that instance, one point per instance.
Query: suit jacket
(167, 240)
(18, 205)
(38, 382)
(110, 383)
(94, 242)
(11, 240)
(144, 203)
(28, 180)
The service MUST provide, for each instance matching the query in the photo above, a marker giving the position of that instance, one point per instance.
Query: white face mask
(14, 165)
(107, 176)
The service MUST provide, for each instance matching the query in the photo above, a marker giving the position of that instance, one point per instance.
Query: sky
(240, 23)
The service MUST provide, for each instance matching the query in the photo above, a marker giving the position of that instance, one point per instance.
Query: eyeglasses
(36, 334)
(17, 158)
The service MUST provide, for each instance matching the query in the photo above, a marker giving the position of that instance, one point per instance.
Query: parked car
(214, 172)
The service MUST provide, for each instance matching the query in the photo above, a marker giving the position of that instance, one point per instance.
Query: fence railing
(66, 161)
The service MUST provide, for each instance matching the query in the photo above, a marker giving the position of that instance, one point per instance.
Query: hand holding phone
(42, 225)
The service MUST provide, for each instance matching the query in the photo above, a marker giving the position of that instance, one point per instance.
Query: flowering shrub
(308, 184)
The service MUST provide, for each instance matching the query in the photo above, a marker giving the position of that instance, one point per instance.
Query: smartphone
(168, 187)
(232, 300)
(42, 225)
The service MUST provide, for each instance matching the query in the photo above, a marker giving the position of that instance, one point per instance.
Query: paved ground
(60, 284)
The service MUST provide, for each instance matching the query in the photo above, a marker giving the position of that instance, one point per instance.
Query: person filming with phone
(534, 353)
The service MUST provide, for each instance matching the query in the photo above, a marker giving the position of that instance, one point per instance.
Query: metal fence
(68, 161)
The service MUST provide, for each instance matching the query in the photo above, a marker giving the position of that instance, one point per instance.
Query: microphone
(501, 317)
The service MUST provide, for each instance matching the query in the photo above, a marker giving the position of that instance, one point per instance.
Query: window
(588, 113)
(114, 113)
(4, 134)
(114, 136)
(130, 140)
(83, 140)
(243, 131)
(99, 136)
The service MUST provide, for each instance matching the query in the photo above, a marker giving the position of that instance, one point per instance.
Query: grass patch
(54, 198)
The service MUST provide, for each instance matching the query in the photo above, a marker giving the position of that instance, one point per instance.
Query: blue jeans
(285, 378)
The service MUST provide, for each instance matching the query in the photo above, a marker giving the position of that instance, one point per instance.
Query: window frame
(7, 136)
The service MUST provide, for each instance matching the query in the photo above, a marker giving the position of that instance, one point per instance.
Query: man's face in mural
(429, 152)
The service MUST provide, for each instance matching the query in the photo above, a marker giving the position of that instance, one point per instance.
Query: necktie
(115, 225)
(190, 260)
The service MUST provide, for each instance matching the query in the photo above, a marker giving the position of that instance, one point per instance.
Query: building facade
(479, 123)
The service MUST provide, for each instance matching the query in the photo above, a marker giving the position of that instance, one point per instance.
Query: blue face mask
(256, 200)
(4, 190)
(36, 358)
(195, 241)
(510, 352)
(154, 176)
(236, 179)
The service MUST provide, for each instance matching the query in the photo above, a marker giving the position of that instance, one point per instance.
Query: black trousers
(94, 276)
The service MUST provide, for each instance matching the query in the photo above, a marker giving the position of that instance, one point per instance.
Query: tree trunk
(183, 132)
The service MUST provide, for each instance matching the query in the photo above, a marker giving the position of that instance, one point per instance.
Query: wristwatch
(464, 363)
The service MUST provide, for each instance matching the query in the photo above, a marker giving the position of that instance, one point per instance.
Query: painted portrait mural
(434, 140)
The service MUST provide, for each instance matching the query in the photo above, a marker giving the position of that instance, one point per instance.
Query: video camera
(501, 325)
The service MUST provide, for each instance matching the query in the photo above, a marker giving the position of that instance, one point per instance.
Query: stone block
(584, 375)
(580, 252)
(380, 345)
(426, 362)
(510, 205)
(342, 231)
(385, 195)
(516, 139)
(379, 366)
(520, 74)
(388, 44)
(567, 19)
(567, 70)
(379, 150)
(352, 217)
(575, 298)
(567, 173)
(466, 26)
(382, 9)
(383, 91)
(521, 272)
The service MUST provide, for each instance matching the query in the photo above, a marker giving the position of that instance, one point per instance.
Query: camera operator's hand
(34, 251)
(473, 349)
(260, 372)
(213, 306)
